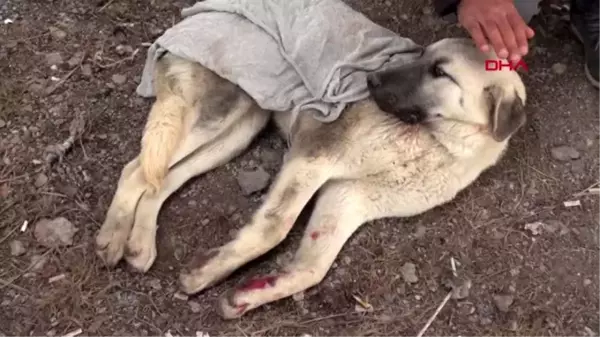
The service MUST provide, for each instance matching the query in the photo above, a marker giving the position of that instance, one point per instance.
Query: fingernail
(503, 53)
(515, 57)
(524, 50)
(485, 48)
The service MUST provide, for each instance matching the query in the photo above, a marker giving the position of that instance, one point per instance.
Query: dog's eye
(437, 71)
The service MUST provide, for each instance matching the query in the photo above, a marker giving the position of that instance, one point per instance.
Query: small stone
(38, 262)
(589, 332)
(460, 287)
(54, 59)
(486, 321)
(559, 68)
(180, 296)
(17, 248)
(119, 78)
(75, 59)
(155, 284)
(194, 306)
(55, 232)
(57, 33)
(587, 282)
(270, 158)
(299, 296)
(2, 123)
(86, 70)
(427, 10)
(503, 302)
(124, 49)
(40, 180)
(409, 272)
(513, 326)
(253, 181)
(564, 153)
(347, 260)
(420, 232)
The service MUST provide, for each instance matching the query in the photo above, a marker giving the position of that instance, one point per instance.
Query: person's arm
(445, 7)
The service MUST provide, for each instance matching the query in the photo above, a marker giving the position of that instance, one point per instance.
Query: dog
(428, 130)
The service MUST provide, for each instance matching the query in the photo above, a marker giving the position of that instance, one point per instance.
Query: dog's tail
(162, 135)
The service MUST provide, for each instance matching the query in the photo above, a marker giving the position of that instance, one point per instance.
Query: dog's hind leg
(110, 241)
(189, 97)
(341, 208)
(141, 246)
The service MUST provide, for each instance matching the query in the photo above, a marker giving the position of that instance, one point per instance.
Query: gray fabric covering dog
(288, 55)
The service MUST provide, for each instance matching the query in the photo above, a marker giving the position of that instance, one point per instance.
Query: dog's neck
(466, 141)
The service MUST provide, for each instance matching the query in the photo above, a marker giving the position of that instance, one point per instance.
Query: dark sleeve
(445, 7)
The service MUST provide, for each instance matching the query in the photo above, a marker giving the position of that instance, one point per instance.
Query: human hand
(496, 22)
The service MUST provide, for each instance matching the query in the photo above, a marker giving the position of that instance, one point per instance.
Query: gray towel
(288, 55)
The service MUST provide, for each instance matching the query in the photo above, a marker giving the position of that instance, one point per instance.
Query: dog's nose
(373, 81)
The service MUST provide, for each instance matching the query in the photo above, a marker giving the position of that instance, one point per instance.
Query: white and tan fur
(367, 165)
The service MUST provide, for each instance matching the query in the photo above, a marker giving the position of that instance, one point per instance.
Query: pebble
(54, 59)
(251, 181)
(17, 248)
(119, 78)
(124, 49)
(2, 123)
(57, 33)
(75, 59)
(409, 272)
(194, 306)
(587, 282)
(589, 331)
(155, 284)
(559, 68)
(564, 153)
(40, 180)
(420, 232)
(503, 302)
(38, 262)
(86, 70)
(180, 296)
(55, 232)
(270, 158)
(299, 296)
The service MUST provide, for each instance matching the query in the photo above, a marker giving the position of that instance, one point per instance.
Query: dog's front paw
(140, 251)
(112, 237)
(231, 307)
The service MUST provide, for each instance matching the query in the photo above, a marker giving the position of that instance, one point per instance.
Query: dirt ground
(531, 258)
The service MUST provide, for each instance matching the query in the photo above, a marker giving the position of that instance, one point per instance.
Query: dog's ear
(507, 112)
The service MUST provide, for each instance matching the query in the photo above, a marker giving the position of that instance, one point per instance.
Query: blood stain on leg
(241, 308)
(314, 235)
(258, 283)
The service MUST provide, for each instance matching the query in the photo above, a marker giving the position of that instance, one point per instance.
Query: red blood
(314, 235)
(241, 308)
(258, 283)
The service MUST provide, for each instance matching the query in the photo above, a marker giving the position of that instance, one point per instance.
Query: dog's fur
(429, 130)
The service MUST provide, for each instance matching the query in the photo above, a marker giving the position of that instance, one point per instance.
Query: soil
(532, 259)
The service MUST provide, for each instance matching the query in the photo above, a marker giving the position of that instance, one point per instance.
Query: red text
(498, 65)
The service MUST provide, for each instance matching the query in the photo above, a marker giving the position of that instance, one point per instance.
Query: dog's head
(449, 85)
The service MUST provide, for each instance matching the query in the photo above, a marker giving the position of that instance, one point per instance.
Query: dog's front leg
(299, 179)
(341, 209)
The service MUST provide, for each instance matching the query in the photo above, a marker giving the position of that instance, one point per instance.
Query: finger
(530, 32)
(520, 30)
(508, 36)
(477, 35)
(495, 37)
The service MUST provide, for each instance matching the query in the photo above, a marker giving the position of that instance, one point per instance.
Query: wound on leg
(259, 283)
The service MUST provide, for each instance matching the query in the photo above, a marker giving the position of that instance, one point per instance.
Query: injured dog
(429, 130)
